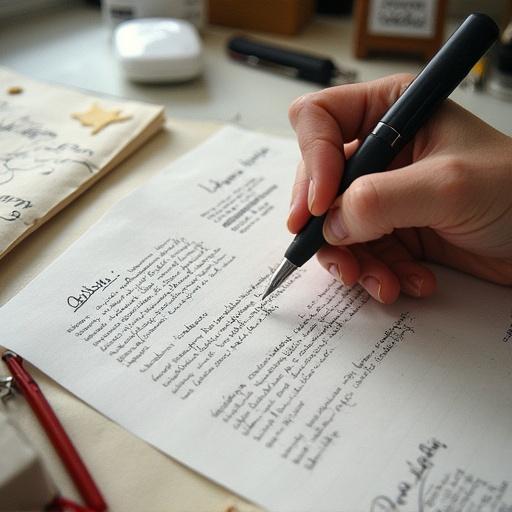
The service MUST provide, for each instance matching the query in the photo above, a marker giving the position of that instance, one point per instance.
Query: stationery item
(317, 399)
(304, 66)
(158, 50)
(54, 144)
(55, 432)
(398, 126)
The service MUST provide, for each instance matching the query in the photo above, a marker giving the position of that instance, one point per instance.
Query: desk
(72, 47)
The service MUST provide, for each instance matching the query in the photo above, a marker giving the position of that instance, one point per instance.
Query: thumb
(376, 204)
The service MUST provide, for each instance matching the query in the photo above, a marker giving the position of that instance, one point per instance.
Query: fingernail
(334, 270)
(413, 284)
(311, 195)
(292, 207)
(372, 286)
(335, 231)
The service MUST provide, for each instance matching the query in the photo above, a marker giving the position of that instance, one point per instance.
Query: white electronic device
(158, 49)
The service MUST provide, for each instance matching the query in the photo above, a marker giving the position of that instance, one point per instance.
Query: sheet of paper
(47, 157)
(318, 399)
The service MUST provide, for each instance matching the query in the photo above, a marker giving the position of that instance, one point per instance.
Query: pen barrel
(297, 64)
(374, 155)
(441, 75)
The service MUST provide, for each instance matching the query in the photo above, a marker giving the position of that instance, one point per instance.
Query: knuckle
(297, 105)
(310, 100)
(300, 184)
(406, 78)
(363, 198)
(456, 179)
(313, 146)
(294, 109)
(399, 83)
(312, 142)
(403, 81)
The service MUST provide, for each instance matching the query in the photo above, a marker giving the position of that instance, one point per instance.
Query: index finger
(324, 121)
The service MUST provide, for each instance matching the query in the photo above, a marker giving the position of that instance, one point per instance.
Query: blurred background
(72, 42)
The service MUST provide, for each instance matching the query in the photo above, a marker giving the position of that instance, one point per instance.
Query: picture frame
(407, 27)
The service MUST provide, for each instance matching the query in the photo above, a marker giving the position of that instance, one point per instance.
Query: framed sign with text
(413, 27)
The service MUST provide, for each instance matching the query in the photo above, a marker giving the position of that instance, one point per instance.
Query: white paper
(402, 18)
(318, 399)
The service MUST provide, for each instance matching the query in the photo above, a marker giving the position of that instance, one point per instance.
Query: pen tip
(268, 291)
(282, 272)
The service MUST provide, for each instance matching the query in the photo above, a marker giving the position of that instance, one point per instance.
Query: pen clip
(7, 382)
(7, 388)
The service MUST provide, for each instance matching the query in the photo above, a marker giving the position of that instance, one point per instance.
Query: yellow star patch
(98, 117)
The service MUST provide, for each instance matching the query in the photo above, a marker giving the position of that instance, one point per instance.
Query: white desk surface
(71, 47)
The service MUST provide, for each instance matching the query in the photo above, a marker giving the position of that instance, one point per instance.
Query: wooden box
(286, 17)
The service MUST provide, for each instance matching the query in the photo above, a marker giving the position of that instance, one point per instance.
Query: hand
(447, 197)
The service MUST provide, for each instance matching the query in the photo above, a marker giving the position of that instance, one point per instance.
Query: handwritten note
(46, 157)
(315, 399)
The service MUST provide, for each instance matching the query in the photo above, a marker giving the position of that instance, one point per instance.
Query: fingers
(415, 279)
(357, 264)
(341, 263)
(496, 270)
(376, 277)
(385, 268)
(324, 121)
(321, 142)
(299, 212)
(374, 205)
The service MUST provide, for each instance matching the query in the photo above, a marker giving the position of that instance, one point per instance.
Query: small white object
(158, 49)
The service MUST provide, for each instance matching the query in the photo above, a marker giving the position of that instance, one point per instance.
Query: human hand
(447, 197)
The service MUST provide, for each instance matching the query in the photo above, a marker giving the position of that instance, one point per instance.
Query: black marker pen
(399, 125)
(301, 65)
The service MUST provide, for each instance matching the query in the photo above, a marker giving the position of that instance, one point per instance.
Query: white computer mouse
(158, 49)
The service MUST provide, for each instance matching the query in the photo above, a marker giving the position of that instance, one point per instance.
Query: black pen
(288, 62)
(399, 125)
